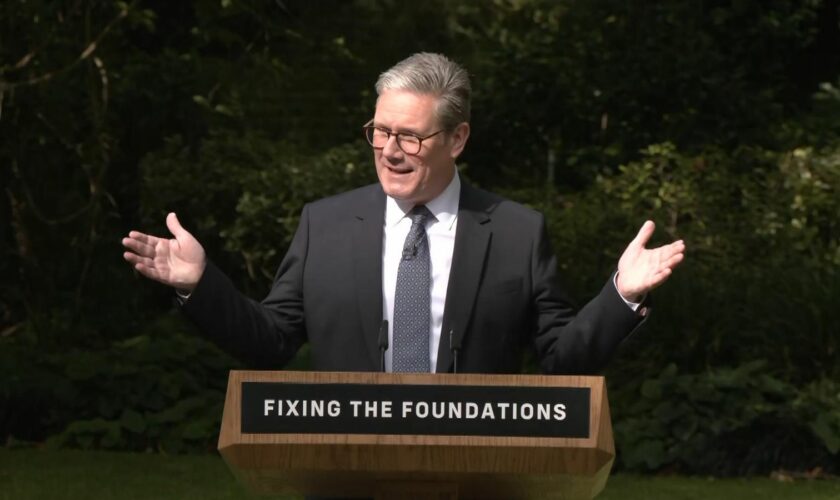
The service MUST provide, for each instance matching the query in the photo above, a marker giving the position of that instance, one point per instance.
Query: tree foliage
(716, 119)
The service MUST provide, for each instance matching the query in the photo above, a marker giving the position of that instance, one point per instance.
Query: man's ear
(459, 139)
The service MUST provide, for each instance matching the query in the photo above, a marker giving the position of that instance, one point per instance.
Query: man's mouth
(399, 170)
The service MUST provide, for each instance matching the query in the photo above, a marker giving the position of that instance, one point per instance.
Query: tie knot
(420, 214)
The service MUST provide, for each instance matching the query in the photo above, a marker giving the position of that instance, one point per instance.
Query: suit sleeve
(574, 343)
(263, 334)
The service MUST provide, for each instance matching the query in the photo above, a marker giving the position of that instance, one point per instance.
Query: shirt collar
(444, 207)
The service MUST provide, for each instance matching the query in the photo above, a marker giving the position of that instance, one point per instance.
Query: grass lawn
(32, 474)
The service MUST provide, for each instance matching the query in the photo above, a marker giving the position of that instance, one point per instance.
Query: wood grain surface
(422, 466)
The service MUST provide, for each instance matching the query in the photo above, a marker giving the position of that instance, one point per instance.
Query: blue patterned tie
(412, 299)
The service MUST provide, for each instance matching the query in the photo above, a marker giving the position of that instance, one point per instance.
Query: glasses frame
(368, 129)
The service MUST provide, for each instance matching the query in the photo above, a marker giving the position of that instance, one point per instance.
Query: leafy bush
(760, 279)
(157, 391)
(727, 421)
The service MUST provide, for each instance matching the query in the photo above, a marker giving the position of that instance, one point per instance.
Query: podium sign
(444, 410)
(418, 435)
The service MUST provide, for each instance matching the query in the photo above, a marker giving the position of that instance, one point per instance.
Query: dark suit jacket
(503, 294)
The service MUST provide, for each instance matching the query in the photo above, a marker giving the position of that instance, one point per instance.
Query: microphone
(455, 347)
(383, 344)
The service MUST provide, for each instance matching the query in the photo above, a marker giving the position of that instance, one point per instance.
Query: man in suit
(456, 271)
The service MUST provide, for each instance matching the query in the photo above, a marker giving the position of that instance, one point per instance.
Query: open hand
(640, 269)
(177, 262)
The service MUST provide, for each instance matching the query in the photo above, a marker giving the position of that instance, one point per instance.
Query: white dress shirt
(440, 233)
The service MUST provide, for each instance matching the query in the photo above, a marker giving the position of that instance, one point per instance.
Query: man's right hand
(177, 262)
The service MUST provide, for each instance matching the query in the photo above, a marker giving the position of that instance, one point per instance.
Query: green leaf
(82, 366)
(198, 429)
(133, 421)
(650, 453)
(827, 431)
(652, 389)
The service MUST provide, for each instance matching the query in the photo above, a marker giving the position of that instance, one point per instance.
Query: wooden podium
(374, 453)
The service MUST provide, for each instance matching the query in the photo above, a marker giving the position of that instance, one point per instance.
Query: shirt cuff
(632, 305)
(184, 295)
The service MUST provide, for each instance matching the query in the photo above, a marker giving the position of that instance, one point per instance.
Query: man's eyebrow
(398, 131)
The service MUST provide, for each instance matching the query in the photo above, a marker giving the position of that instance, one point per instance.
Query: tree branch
(85, 54)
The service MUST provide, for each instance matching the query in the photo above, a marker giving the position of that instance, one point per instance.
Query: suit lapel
(472, 239)
(367, 261)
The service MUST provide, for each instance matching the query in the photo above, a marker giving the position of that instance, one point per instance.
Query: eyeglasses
(410, 144)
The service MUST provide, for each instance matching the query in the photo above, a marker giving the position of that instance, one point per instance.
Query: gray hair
(434, 74)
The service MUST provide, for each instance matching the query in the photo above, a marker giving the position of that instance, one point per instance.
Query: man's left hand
(641, 269)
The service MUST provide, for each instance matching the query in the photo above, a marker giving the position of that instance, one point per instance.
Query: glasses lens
(409, 144)
(376, 137)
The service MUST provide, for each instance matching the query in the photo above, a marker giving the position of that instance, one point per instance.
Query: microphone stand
(383, 344)
(455, 347)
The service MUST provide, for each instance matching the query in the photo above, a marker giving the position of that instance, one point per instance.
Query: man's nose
(392, 148)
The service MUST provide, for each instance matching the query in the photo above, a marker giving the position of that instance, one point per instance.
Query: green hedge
(161, 391)
(726, 421)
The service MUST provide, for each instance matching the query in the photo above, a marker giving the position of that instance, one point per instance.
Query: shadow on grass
(70, 474)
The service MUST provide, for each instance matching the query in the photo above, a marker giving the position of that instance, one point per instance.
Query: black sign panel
(276, 407)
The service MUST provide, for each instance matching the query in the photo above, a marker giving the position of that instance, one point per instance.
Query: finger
(672, 262)
(149, 272)
(658, 278)
(139, 247)
(669, 251)
(175, 226)
(147, 267)
(143, 265)
(143, 238)
(135, 259)
(644, 234)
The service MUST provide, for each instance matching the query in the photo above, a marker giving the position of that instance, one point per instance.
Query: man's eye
(410, 139)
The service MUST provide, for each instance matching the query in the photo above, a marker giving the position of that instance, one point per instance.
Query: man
(456, 271)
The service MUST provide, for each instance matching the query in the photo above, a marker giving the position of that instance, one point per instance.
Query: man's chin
(398, 192)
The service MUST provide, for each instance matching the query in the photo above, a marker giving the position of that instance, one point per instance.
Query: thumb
(175, 227)
(645, 233)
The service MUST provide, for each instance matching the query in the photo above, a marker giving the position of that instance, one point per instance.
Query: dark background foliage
(717, 119)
